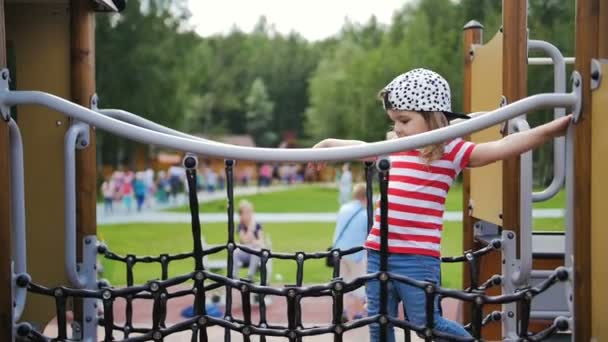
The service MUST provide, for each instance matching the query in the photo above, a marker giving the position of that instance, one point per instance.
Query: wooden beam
(514, 81)
(82, 62)
(473, 33)
(6, 302)
(586, 49)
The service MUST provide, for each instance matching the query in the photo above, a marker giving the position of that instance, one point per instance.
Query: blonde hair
(359, 191)
(245, 204)
(434, 120)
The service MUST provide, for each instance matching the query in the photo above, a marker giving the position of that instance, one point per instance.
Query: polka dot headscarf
(420, 90)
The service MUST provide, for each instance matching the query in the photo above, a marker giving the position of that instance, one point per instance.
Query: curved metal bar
(17, 216)
(522, 275)
(559, 149)
(137, 120)
(11, 98)
(78, 280)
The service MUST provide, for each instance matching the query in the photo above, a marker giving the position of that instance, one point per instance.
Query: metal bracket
(596, 73)
(509, 267)
(5, 79)
(503, 126)
(88, 268)
(577, 89)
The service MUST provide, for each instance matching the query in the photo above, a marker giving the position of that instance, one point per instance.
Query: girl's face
(407, 123)
(245, 214)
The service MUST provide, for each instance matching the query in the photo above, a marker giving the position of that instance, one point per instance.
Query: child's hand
(559, 127)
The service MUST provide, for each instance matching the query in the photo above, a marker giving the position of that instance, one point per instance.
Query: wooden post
(473, 33)
(514, 83)
(6, 302)
(587, 34)
(82, 62)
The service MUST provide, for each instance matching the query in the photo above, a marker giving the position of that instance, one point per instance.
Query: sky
(313, 19)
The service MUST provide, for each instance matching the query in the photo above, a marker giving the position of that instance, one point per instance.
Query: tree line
(265, 83)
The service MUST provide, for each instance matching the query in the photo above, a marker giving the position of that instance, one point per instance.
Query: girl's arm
(331, 142)
(518, 143)
(337, 143)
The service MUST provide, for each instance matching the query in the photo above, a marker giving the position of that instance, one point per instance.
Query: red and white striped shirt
(416, 199)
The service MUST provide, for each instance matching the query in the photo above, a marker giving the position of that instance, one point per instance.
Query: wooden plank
(514, 82)
(586, 49)
(473, 33)
(486, 90)
(6, 303)
(599, 186)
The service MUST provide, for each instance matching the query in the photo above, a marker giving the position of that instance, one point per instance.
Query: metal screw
(58, 292)
(154, 287)
(265, 254)
(291, 293)
(338, 287)
(383, 320)
(202, 321)
(336, 254)
(163, 296)
(511, 235)
(246, 331)
(244, 288)
(199, 275)
(300, 256)
(338, 329)
(430, 289)
(157, 335)
(479, 300)
(428, 332)
(228, 318)
(230, 246)
(106, 295)
(469, 256)
(383, 276)
(58, 123)
(292, 334)
(510, 314)
(263, 325)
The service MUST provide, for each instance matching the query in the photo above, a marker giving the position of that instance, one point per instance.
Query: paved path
(157, 214)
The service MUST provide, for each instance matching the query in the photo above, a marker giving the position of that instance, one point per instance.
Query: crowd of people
(129, 191)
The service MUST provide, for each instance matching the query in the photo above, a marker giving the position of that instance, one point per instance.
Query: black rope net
(204, 281)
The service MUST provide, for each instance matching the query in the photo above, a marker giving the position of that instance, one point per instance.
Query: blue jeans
(419, 267)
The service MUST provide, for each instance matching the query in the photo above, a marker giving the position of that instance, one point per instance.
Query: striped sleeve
(462, 154)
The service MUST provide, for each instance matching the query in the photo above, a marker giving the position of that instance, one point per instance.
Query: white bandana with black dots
(419, 90)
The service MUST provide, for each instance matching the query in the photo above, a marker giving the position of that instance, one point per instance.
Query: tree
(259, 114)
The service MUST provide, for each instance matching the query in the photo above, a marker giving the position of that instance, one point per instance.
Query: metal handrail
(137, 120)
(11, 98)
(559, 150)
(547, 61)
(71, 137)
(17, 217)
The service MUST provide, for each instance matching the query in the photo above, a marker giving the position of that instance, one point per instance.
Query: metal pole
(17, 215)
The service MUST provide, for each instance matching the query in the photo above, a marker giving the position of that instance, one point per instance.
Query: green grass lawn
(154, 239)
(302, 199)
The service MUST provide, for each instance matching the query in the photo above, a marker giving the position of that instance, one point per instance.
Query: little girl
(419, 101)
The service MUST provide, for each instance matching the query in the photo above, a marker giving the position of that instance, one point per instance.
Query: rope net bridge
(203, 281)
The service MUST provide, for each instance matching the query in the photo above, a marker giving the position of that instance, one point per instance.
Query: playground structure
(521, 267)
